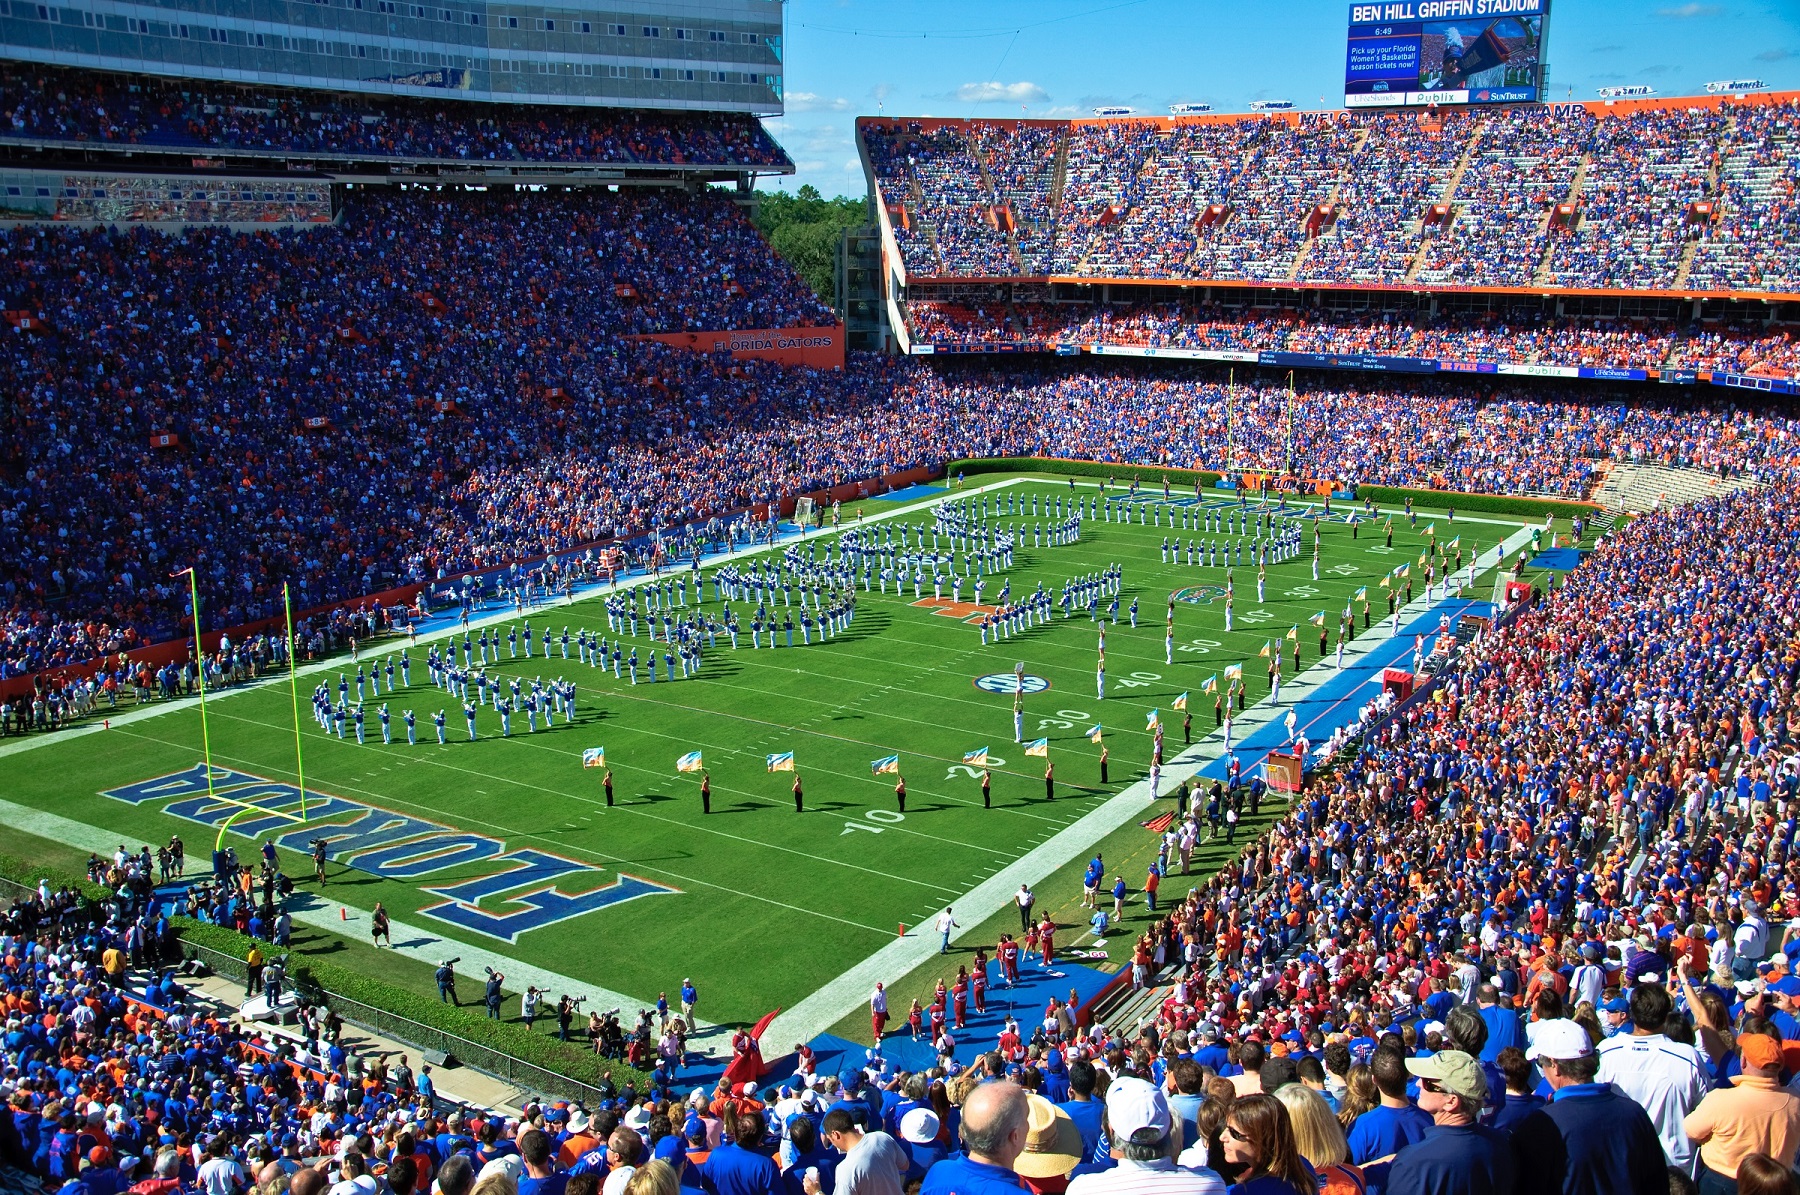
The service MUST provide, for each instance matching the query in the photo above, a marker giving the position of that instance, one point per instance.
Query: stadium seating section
(1348, 198)
(48, 104)
(1771, 350)
(1597, 799)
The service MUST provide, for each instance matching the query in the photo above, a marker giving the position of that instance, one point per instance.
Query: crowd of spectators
(330, 394)
(1644, 174)
(344, 421)
(1535, 933)
(1754, 244)
(1238, 198)
(1577, 853)
(1522, 337)
(188, 114)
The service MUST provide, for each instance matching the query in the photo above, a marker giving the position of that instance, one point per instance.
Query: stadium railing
(416, 1034)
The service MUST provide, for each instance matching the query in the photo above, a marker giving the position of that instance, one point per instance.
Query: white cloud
(806, 101)
(997, 93)
(1685, 12)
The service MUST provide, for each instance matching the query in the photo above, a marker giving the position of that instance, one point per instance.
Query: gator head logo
(1200, 595)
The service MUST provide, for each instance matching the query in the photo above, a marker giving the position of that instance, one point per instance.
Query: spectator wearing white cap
(1456, 1155)
(995, 1122)
(1667, 1078)
(919, 1130)
(1590, 1137)
(1146, 1139)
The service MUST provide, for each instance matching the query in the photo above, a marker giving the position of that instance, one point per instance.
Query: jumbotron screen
(1444, 52)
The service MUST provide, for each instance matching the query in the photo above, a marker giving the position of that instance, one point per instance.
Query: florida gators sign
(516, 892)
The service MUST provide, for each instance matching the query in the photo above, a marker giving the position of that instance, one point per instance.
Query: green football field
(760, 905)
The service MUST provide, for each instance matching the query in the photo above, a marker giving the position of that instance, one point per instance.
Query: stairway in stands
(1635, 488)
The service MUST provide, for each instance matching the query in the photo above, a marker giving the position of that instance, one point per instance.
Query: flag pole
(1231, 421)
(287, 601)
(200, 680)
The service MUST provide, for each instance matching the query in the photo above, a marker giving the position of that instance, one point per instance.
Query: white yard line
(336, 663)
(850, 992)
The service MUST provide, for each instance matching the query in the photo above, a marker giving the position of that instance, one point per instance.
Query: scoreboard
(1409, 52)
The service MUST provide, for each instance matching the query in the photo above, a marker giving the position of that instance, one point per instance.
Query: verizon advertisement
(816, 348)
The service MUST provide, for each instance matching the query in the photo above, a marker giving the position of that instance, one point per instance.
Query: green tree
(804, 228)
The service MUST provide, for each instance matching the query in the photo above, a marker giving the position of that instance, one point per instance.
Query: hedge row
(1386, 496)
(1396, 496)
(469, 1022)
(28, 873)
(1145, 474)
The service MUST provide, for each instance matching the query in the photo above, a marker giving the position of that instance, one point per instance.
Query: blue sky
(1044, 58)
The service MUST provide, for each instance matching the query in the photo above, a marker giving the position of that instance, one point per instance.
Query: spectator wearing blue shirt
(1211, 1053)
(918, 1136)
(1456, 1156)
(1504, 1028)
(1590, 1137)
(809, 1154)
(1392, 1124)
(540, 1177)
(1521, 1100)
(995, 1122)
(1083, 1108)
(739, 1167)
(1189, 1084)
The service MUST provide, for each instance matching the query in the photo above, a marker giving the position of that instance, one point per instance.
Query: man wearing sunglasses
(1456, 1154)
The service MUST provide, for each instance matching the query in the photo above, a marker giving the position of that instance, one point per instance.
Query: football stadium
(1186, 647)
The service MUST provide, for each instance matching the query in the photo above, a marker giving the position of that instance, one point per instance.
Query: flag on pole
(1387, 581)
(887, 763)
(1160, 823)
(1318, 620)
(1453, 544)
(977, 758)
(782, 761)
(1423, 556)
(1361, 595)
(1404, 571)
(1094, 733)
(594, 757)
(689, 762)
(1294, 633)
(1038, 747)
(1180, 702)
(1152, 720)
(1264, 653)
(1210, 684)
(1234, 672)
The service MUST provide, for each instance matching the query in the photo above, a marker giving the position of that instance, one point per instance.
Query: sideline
(818, 1012)
(453, 629)
(309, 908)
(849, 992)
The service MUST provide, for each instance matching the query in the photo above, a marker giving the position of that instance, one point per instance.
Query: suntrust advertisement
(817, 348)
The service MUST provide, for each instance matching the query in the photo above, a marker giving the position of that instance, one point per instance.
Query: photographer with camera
(493, 995)
(446, 981)
(565, 1014)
